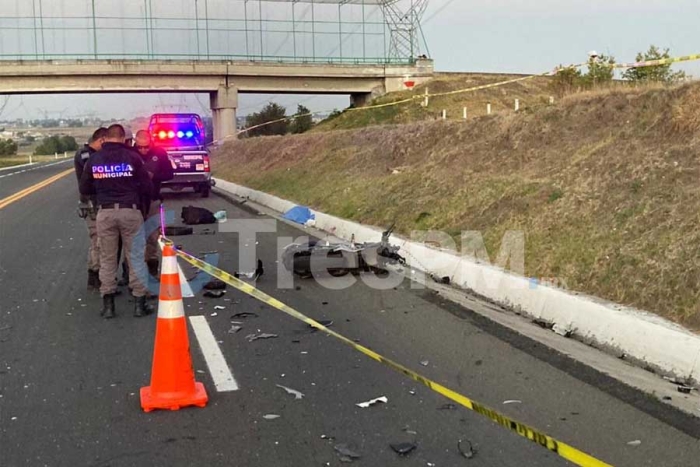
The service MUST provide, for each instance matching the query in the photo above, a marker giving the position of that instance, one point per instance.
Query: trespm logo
(112, 171)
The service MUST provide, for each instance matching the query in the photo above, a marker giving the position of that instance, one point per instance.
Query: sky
(520, 36)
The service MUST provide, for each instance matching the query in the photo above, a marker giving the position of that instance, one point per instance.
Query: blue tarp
(299, 214)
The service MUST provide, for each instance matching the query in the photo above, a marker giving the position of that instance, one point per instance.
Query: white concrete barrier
(638, 335)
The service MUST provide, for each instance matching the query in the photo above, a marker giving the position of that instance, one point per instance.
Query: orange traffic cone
(172, 377)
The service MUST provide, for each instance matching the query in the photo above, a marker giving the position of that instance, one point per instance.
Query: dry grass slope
(606, 187)
(532, 94)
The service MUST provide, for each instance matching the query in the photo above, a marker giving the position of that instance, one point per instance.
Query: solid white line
(218, 368)
(33, 168)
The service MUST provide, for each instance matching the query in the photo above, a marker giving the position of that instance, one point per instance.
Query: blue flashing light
(180, 134)
(189, 134)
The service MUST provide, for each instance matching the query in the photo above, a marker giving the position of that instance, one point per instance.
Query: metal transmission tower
(403, 19)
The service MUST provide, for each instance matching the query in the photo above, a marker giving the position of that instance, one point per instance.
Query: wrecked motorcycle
(339, 259)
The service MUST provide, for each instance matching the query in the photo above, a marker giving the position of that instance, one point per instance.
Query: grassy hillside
(606, 187)
(532, 93)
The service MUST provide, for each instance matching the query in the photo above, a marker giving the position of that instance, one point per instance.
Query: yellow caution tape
(564, 450)
(663, 61)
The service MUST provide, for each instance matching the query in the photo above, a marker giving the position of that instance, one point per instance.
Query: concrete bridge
(222, 80)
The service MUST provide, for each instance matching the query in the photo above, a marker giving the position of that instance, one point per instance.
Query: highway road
(69, 380)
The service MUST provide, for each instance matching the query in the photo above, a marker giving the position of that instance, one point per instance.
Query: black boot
(153, 267)
(93, 282)
(142, 308)
(108, 311)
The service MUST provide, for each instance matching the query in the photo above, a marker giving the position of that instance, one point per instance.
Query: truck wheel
(205, 190)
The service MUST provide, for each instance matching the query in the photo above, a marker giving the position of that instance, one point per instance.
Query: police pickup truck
(183, 137)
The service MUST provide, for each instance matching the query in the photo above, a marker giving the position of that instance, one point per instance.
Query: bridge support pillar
(224, 103)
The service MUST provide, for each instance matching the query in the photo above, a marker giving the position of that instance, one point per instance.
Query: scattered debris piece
(345, 452)
(636, 442)
(207, 232)
(445, 280)
(219, 307)
(562, 330)
(684, 389)
(259, 271)
(425, 362)
(173, 231)
(214, 314)
(403, 449)
(243, 315)
(254, 337)
(467, 453)
(215, 284)
(234, 329)
(412, 392)
(447, 407)
(324, 303)
(214, 293)
(323, 322)
(666, 398)
(298, 287)
(271, 416)
(512, 401)
(364, 405)
(543, 324)
(297, 395)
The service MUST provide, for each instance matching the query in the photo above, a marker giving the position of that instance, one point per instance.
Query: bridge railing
(282, 32)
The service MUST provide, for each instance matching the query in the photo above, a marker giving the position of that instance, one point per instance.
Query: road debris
(234, 329)
(219, 307)
(512, 401)
(563, 331)
(215, 284)
(346, 453)
(425, 362)
(244, 315)
(403, 449)
(543, 324)
(255, 337)
(323, 322)
(214, 293)
(445, 280)
(271, 416)
(364, 405)
(447, 407)
(297, 395)
(214, 314)
(636, 442)
(468, 452)
(254, 275)
(684, 389)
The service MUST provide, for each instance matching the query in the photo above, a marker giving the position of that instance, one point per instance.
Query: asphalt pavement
(69, 380)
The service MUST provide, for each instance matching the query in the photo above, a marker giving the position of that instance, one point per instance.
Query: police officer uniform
(157, 163)
(88, 211)
(118, 179)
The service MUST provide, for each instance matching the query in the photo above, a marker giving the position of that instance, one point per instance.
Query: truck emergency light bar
(177, 129)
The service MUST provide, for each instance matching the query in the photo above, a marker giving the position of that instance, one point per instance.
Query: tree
(657, 73)
(272, 112)
(302, 121)
(600, 71)
(567, 80)
(54, 144)
(8, 147)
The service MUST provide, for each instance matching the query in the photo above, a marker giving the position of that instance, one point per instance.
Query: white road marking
(218, 368)
(33, 168)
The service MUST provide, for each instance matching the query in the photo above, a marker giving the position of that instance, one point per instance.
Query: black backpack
(192, 215)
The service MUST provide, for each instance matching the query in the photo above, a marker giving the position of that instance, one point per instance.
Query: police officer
(87, 208)
(160, 170)
(117, 177)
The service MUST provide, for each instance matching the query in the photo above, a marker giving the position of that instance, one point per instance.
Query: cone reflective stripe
(172, 377)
